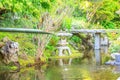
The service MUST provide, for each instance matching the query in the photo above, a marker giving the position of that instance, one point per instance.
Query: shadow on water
(87, 67)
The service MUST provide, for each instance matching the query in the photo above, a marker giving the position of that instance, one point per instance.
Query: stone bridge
(96, 32)
(97, 36)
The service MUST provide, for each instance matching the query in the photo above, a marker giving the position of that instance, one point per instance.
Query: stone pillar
(97, 57)
(97, 41)
(104, 49)
(104, 41)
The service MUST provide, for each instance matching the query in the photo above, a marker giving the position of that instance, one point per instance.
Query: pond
(88, 67)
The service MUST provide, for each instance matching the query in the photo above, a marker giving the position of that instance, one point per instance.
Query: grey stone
(10, 52)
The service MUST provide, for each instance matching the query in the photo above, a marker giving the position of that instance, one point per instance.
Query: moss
(105, 58)
(23, 62)
(7, 67)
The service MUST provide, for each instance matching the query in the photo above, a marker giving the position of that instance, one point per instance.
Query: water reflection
(116, 69)
(29, 74)
(65, 61)
(92, 56)
(9, 76)
(78, 71)
(98, 57)
(69, 69)
(98, 54)
(104, 49)
(88, 54)
(95, 55)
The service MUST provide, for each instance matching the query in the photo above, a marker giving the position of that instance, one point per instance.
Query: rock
(10, 52)
(114, 54)
(14, 58)
(110, 62)
(117, 58)
(116, 61)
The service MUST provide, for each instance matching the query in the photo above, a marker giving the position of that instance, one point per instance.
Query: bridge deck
(87, 31)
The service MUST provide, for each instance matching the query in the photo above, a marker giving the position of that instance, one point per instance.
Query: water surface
(88, 67)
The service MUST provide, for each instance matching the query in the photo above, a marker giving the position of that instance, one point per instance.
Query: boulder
(114, 54)
(116, 61)
(9, 52)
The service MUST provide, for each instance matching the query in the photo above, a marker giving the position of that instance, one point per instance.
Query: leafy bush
(114, 48)
(25, 42)
(108, 24)
(76, 39)
(52, 44)
(67, 23)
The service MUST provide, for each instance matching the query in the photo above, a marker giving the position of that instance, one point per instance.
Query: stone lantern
(62, 43)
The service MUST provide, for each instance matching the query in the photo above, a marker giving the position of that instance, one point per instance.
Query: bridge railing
(22, 30)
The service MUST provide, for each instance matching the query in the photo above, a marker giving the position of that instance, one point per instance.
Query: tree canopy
(27, 13)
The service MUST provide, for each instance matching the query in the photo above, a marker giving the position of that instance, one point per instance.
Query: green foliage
(76, 39)
(104, 15)
(114, 48)
(115, 43)
(45, 5)
(78, 13)
(67, 23)
(52, 43)
(113, 35)
(25, 43)
(23, 13)
(27, 13)
(108, 24)
(18, 13)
